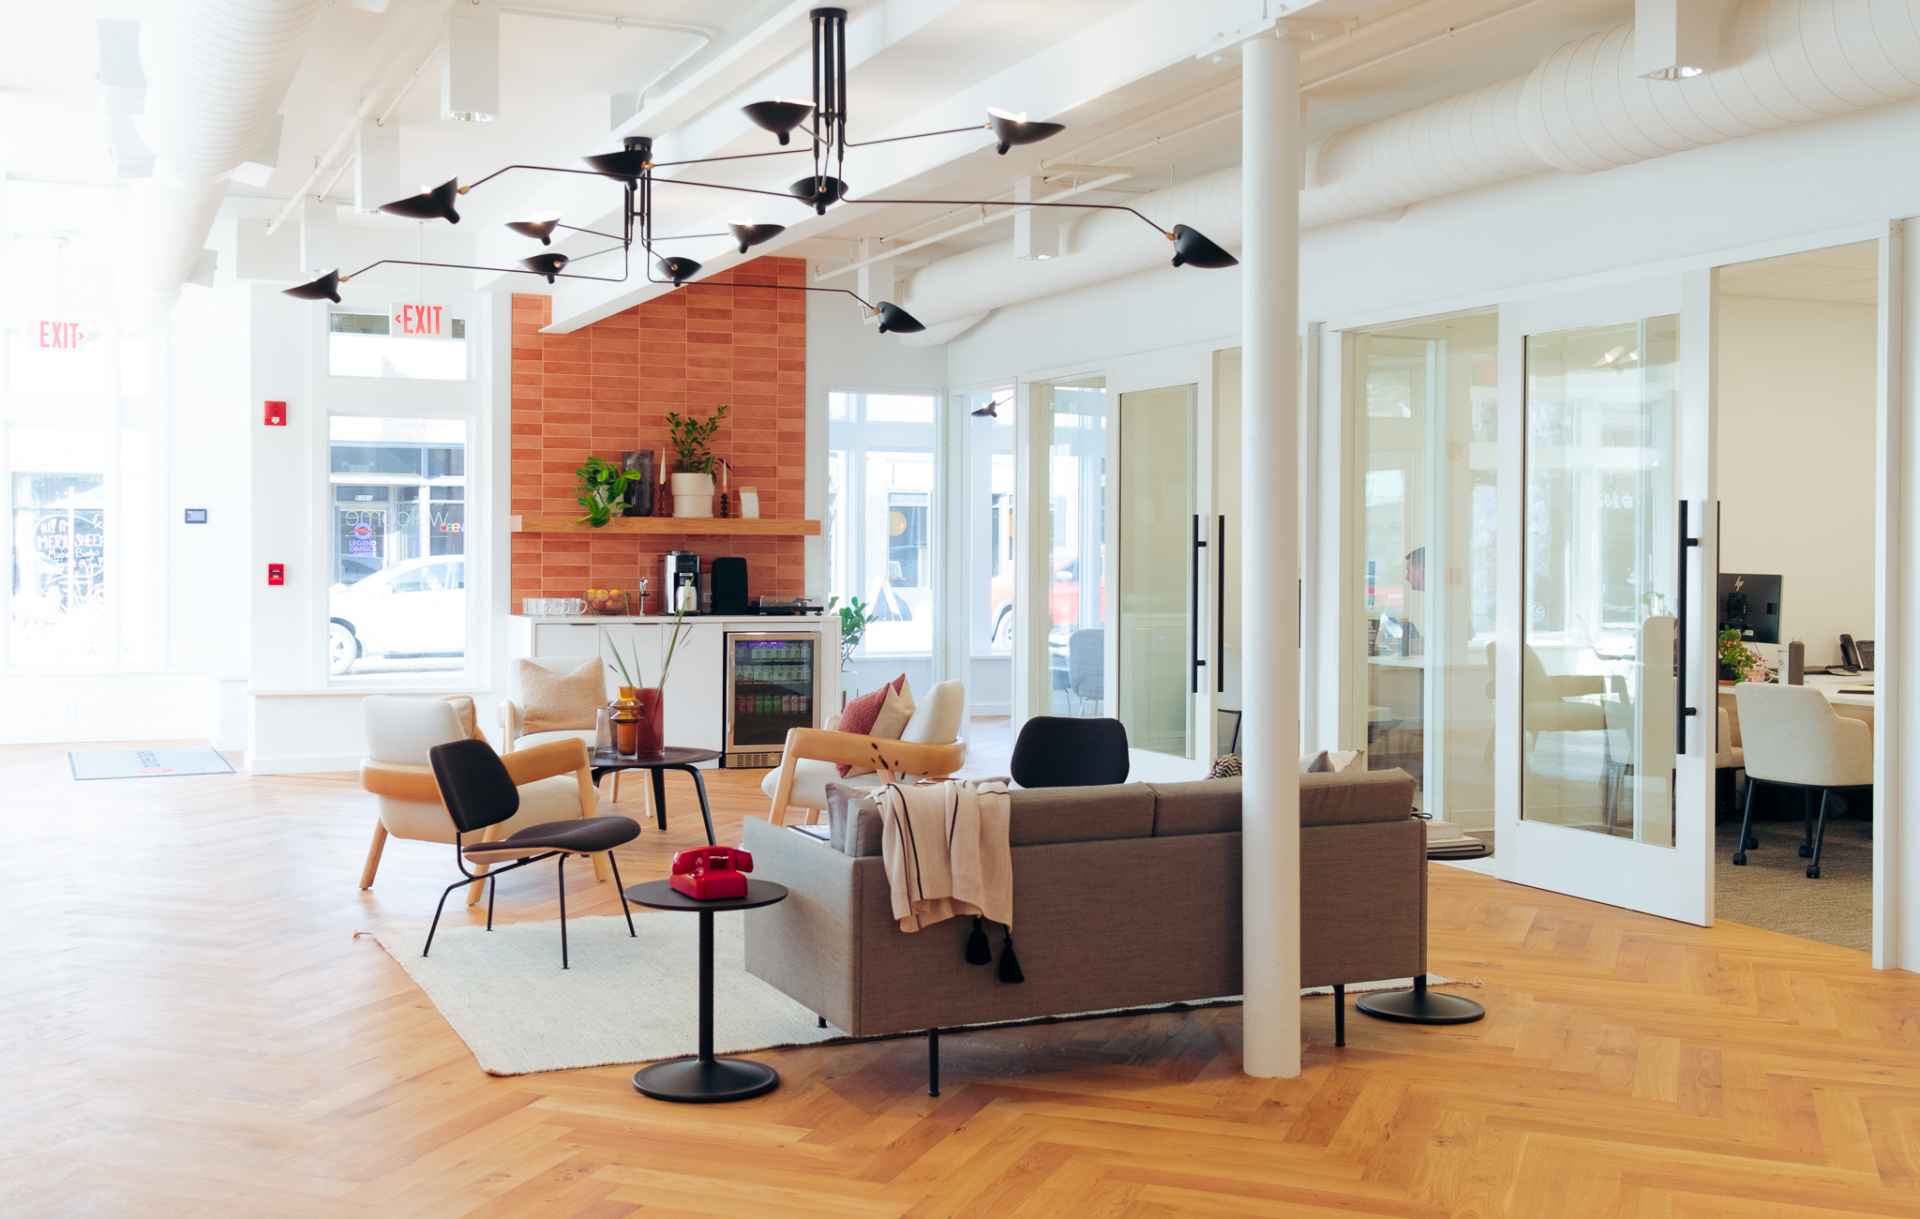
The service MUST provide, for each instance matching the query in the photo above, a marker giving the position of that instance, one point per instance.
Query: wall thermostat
(196, 516)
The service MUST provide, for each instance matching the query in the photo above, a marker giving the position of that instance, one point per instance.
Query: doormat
(146, 763)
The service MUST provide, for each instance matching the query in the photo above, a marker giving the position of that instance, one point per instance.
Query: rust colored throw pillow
(861, 713)
(561, 702)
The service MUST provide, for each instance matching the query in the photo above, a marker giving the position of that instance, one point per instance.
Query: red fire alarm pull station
(276, 414)
(276, 573)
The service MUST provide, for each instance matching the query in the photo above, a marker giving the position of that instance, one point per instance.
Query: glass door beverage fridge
(773, 684)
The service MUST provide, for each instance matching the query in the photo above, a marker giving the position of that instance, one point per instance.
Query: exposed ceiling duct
(217, 71)
(1584, 109)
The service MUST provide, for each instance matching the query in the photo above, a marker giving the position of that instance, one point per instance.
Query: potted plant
(603, 488)
(693, 461)
(639, 722)
(1737, 660)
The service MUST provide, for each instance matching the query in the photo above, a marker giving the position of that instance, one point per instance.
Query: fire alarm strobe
(196, 516)
(276, 414)
(276, 573)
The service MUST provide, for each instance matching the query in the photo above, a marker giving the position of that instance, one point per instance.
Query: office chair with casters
(1792, 738)
(1065, 751)
(1086, 667)
(479, 793)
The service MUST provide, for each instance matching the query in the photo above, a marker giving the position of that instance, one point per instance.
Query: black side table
(605, 761)
(704, 1079)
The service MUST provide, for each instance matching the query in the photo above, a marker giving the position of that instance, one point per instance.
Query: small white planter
(693, 495)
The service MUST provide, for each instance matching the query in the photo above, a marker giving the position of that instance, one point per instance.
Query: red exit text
(63, 335)
(418, 319)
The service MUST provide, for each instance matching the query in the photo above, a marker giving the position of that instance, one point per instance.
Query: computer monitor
(1752, 603)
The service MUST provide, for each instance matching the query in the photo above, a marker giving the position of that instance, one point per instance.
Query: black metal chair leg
(933, 1062)
(700, 785)
(1820, 836)
(436, 914)
(1806, 818)
(621, 889)
(561, 871)
(1746, 823)
(1339, 1015)
(493, 883)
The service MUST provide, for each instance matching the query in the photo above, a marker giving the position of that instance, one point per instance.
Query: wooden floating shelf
(677, 526)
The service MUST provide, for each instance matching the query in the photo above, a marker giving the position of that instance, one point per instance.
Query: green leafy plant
(693, 441)
(1736, 655)
(855, 617)
(603, 486)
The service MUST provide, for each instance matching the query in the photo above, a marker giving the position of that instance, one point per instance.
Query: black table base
(701, 1081)
(1419, 1006)
(604, 763)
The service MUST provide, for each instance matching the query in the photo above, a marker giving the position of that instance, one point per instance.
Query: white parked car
(414, 608)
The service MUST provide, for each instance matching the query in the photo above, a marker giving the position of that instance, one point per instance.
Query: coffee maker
(679, 582)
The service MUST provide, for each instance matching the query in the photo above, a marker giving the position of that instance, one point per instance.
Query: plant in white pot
(693, 461)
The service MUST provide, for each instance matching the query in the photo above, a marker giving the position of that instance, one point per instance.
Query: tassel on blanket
(979, 952)
(1010, 964)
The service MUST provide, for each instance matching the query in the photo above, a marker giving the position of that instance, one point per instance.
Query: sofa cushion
(1212, 806)
(853, 819)
(1080, 814)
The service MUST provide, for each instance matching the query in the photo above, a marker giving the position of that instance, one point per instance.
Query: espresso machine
(679, 582)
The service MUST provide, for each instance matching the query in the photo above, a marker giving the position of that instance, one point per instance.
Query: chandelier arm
(464, 266)
(784, 152)
(694, 283)
(689, 236)
(597, 253)
(1110, 207)
(893, 139)
(595, 232)
(552, 169)
(746, 190)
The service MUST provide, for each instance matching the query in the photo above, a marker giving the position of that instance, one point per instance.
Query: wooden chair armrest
(509, 725)
(400, 781)
(1576, 685)
(890, 758)
(546, 761)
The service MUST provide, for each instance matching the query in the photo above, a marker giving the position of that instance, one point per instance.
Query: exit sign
(62, 336)
(424, 321)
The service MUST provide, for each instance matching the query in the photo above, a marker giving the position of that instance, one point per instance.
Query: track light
(435, 204)
(679, 270)
(778, 116)
(326, 288)
(629, 163)
(749, 234)
(1192, 249)
(539, 225)
(549, 265)
(819, 191)
(1015, 129)
(894, 318)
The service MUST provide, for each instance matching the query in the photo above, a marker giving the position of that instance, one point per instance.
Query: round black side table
(604, 761)
(704, 1079)
(1419, 1005)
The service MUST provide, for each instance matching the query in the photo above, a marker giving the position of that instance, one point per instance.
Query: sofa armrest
(808, 946)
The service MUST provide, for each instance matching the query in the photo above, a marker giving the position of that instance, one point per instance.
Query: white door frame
(1674, 882)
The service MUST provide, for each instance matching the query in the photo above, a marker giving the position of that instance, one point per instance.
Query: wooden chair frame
(891, 758)
(416, 784)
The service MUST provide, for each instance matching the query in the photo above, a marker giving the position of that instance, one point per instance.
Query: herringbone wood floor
(192, 1029)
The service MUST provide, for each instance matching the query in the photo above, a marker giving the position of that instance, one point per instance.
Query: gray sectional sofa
(1124, 896)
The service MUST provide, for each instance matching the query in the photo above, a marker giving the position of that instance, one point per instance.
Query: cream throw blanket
(946, 851)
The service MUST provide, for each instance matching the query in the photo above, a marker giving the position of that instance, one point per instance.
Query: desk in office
(1853, 705)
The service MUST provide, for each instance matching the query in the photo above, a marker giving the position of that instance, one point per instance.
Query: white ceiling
(1847, 273)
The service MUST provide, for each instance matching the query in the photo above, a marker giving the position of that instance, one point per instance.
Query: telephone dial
(711, 874)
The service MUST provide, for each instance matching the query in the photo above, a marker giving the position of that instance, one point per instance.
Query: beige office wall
(1796, 460)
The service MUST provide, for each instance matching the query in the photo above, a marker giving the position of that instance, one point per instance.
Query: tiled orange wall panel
(607, 388)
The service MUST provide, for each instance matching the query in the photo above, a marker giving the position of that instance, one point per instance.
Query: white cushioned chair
(554, 783)
(513, 712)
(929, 746)
(1792, 737)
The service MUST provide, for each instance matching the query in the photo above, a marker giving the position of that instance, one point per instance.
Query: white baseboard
(306, 764)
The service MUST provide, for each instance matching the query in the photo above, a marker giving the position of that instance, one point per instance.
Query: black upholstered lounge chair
(1063, 751)
(480, 793)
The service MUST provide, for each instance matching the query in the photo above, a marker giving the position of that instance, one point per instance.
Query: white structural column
(1270, 508)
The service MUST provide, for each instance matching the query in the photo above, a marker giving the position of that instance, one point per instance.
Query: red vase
(653, 725)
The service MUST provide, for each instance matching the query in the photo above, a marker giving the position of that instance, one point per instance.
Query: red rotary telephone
(711, 873)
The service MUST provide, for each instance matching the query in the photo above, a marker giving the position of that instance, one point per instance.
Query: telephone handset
(711, 873)
(1849, 655)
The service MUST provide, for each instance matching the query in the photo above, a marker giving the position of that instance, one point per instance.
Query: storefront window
(397, 509)
(880, 485)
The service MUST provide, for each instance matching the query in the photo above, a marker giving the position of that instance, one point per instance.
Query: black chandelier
(825, 123)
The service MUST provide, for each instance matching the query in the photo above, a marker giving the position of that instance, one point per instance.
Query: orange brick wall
(607, 388)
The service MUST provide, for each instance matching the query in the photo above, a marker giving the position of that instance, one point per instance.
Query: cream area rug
(624, 1000)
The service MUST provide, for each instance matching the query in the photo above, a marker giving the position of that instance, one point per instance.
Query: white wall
(1797, 408)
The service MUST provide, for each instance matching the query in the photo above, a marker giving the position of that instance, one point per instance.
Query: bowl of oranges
(614, 602)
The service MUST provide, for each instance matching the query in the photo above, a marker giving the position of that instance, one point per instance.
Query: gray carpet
(1773, 891)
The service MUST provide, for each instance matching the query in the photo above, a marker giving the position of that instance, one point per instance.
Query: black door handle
(1680, 709)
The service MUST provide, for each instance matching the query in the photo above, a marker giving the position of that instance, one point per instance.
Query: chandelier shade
(777, 116)
(749, 235)
(895, 320)
(435, 204)
(326, 288)
(819, 191)
(549, 264)
(679, 270)
(1191, 248)
(1011, 129)
(635, 159)
(539, 226)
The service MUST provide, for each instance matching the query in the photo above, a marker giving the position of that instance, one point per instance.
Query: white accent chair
(1794, 738)
(514, 710)
(555, 783)
(929, 747)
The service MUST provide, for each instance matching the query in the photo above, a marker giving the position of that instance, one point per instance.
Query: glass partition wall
(1075, 422)
(1425, 424)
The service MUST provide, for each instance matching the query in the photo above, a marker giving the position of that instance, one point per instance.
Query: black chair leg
(493, 883)
(624, 908)
(933, 1062)
(561, 871)
(1746, 824)
(1339, 1015)
(1806, 818)
(436, 914)
(706, 814)
(1820, 836)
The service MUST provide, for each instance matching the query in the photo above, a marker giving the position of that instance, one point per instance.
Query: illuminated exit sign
(61, 336)
(424, 321)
